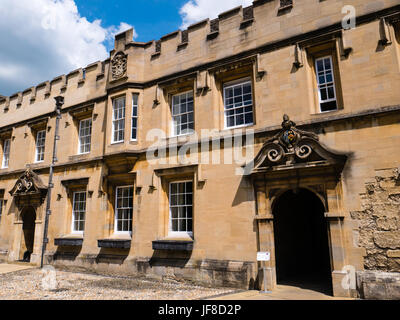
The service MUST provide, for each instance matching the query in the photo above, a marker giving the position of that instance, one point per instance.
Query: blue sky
(43, 39)
(151, 19)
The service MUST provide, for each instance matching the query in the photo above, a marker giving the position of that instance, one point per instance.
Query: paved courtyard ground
(19, 283)
(24, 282)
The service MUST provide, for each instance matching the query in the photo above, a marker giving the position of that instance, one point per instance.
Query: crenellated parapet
(241, 32)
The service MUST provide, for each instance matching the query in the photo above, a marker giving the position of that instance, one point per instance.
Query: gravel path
(29, 285)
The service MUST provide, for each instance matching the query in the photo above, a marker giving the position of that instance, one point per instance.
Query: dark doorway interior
(28, 227)
(301, 241)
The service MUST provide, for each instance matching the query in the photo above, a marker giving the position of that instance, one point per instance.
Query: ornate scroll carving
(119, 65)
(28, 183)
(291, 146)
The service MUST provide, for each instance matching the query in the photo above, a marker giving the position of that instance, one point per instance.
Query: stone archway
(291, 160)
(28, 216)
(301, 241)
(28, 194)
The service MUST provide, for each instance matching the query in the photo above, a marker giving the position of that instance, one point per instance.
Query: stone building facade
(318, 191)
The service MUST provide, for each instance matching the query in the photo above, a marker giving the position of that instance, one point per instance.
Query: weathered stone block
(385, 239)
(393, 253)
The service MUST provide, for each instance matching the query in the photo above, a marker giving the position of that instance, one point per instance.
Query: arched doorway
(28, 216)
(301, 241)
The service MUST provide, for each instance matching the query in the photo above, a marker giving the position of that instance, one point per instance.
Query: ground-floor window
(123, 209)
(78, 212)
(181, 207)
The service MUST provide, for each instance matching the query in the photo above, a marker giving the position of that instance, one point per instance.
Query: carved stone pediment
(119, 65)
(292, 147)
(28, 184)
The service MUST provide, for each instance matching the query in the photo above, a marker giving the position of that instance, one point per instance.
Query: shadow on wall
(163, 258)
(244, 192)
(112, 256)
(68, 253)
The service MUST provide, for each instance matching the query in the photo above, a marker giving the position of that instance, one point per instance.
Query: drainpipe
(59, 104)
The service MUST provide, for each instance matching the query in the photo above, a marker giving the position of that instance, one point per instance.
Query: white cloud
(42, 39)
(197, 10)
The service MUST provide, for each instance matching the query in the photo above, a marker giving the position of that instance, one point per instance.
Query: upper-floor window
(182, 113)
(85, 136)
(326, 84)
(118, 125)
(123, 209)
(134, 124)
(78, 211)
(181, 207)
(238, 103)
(6, 153)
(40, 145)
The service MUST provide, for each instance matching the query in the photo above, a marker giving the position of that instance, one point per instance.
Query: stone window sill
(173, 245)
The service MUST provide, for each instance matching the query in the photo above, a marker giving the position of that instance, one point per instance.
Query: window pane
(182, 113)
(236, 97)
(326, 84)
(181, 199)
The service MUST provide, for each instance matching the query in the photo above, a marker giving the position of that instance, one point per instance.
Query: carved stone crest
(291, 146)
(119, 65)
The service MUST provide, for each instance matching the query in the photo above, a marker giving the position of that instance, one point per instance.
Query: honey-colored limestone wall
(226, 239)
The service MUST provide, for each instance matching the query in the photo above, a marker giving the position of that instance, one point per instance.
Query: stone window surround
(78, 115)
(71, 187)
(246, 68)
(313, 52)
(162, 179)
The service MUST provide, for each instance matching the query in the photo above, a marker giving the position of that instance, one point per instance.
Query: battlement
(233, 32)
